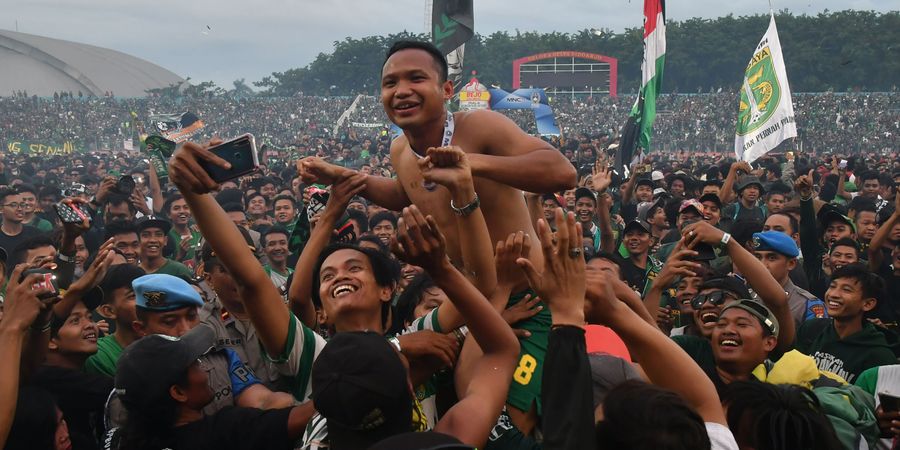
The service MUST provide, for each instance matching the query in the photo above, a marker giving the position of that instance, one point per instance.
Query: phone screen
(240, 152)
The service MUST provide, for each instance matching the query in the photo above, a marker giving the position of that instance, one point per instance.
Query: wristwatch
(468, 209)
(725, 239)
(395, 342)
(65, 258)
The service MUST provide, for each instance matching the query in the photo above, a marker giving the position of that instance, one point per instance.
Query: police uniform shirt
(240, 336)
(804, 305)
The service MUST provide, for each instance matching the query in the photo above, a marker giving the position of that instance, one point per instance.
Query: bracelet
(65, 258)
(45, 328)
(725, 239)
(468, 209)
(396, 343)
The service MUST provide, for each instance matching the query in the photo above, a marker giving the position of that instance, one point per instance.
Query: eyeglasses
(717, 298)
(15, 205)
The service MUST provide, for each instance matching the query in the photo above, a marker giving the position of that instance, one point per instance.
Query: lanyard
(449, 127)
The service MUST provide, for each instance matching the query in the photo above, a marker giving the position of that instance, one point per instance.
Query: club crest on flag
(760, 93)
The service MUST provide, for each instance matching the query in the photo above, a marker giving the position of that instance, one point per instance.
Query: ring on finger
(575, 252)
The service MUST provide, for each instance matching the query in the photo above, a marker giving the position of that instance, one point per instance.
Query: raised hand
(345, 187)
(315, 170)
(420, 242)
(701, 232)
(23, 304)
(741, 166)
(97, 270)
(562, 283)
(75, 229)
(678, 265)
(804, 185)
(428, 344)
(185, 170)
(601, 176)
(517, 245)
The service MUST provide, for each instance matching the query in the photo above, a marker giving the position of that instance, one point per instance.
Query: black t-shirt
(888, 308)
(633, 275)
(81, 397)
(238, 429)
(9, 243)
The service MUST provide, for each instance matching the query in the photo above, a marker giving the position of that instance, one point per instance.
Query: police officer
(168, 305)
(778, 252)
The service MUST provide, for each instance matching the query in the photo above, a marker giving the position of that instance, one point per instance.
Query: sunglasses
(717, 298)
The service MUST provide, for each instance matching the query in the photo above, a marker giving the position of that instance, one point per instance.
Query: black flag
(452, 23)
(627, 145)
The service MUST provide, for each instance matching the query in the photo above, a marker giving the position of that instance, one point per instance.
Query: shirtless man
(504, 161)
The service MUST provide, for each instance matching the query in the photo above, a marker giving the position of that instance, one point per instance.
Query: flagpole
(771, 8)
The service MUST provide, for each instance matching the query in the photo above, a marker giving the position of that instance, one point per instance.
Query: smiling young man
(184, 239)
(742, 339)
(117, 306)
(504, 161)
(585, 206)
(847, 344)
(275, 244)
(152, 232)
(639, 268)
(125, 237)
(12, 229)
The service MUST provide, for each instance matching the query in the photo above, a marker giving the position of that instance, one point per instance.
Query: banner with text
(41, 148)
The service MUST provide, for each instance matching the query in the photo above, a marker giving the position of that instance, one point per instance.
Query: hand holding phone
(240, 152)
(889, 402)
(72, 213)
(47, 281)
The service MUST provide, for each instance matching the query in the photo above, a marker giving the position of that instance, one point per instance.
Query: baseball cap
(585, 192)
(151, 365)
(829, 214)
(727, 283)
(360, 385)
(711, 198)
(643, 225)
(775, 241)
(429, 440)
(644, 208)
(656, 176)
(118, 276)
(691, 203)
(747, 180)
(144, 222)
(644, 181)
(161, 292)
(758, 310)
(660, 193)
(607, 372)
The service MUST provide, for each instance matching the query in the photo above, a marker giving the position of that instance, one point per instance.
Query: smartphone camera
(125, 185)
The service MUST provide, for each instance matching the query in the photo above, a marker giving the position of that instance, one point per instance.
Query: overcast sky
(252, 39)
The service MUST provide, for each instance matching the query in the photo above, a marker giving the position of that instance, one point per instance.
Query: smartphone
(47, 281)
(69, 214)
(705, 252)
(240, 152)
(889, 403)
(842, 164)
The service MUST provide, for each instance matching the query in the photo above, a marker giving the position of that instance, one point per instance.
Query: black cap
(585, 192)
(429, 440)
(747, 180)
(645, 181)
(637, 223)
(727, 283)
(118, 276)
(360, 385)
(151, 365)
(144, 222)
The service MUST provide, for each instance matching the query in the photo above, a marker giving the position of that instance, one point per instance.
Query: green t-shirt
(175, 239)
(41, 224)
(175, 268)
(107, 356)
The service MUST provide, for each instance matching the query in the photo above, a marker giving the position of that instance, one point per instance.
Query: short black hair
(25, 187)
(117, 227)
(274, 229)
(440, 60)
(382, 216)
(167, 205)
(861, 204)
(37, 241)
(385, 269)
(285, 197)
(6, 192)
(234, 207)
(795, 224)
(872, 284)
(845, 242)
(868, 175)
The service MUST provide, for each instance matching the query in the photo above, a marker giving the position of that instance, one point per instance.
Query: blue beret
(161, 292)
(775, 241)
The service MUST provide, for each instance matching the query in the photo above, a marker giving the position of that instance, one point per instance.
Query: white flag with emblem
(766, 114)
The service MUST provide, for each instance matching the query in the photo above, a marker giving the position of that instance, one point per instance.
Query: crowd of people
(854, 122)
(462, 285)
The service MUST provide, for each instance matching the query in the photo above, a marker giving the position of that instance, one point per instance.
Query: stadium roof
(41, 66)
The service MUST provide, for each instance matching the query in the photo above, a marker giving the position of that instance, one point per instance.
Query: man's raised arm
(516, 159)
(267, 312)
(385, 192)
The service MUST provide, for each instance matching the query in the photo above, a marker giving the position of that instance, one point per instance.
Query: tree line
(839, 51)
